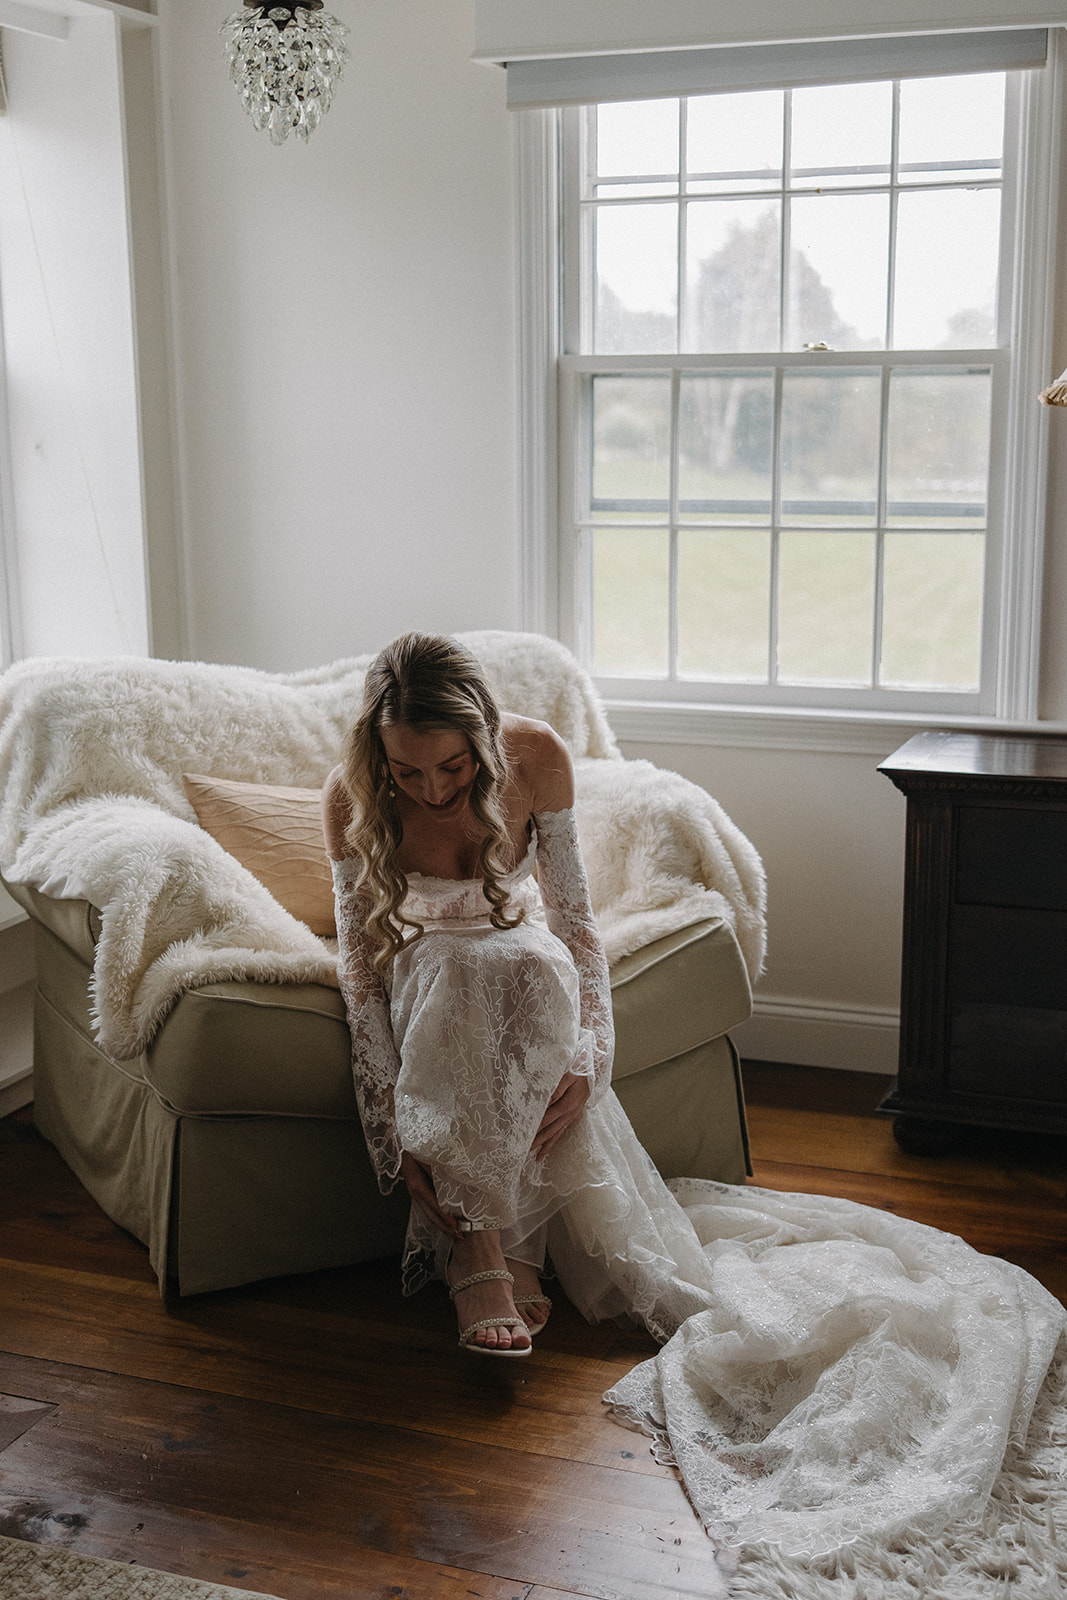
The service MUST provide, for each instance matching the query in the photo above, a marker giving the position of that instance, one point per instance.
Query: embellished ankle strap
(465, 1225)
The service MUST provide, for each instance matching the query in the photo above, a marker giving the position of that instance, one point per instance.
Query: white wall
(830, 829)
(344, 310)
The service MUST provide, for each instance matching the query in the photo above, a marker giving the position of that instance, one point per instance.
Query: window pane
(849, 126)
(613, 190)
(637, 138)
(631, 609)
(948, 244)
(825, 607)
(938, 448)
(725, 434)
(723, 604)
(733, 272)
(636, 278)
(830, 433)
(947, 121)
(838, 271)
(736, 139)
(932, 610)
(631, 445)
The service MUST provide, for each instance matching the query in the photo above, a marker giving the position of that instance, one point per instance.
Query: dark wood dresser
(984, 983)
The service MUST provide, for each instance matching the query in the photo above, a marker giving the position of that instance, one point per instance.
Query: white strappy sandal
(513, 1323)
(533, 1328)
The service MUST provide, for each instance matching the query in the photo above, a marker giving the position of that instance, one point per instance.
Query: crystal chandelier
(285, 61)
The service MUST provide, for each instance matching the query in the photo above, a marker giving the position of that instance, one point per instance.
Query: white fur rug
(48, 1572)
(91, 758)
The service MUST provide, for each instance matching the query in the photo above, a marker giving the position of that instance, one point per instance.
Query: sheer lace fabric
(852, 1372)
(458, 1060)
(827, 1370)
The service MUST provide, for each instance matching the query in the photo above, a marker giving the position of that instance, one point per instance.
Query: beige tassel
(1056, 393)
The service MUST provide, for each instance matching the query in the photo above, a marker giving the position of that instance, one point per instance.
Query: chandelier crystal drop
(285, 61)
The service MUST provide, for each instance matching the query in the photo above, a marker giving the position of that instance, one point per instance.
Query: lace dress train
(827, 1370)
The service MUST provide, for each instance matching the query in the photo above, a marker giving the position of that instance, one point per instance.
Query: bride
(826, 1368)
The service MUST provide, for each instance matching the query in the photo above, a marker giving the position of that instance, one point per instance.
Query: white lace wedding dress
(827, 1370)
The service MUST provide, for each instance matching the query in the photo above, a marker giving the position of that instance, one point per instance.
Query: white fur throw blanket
(92, 807)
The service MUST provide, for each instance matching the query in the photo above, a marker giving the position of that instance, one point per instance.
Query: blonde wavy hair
(426, 682)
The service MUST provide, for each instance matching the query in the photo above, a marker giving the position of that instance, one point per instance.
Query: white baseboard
(856, 1039)
(16, 1048)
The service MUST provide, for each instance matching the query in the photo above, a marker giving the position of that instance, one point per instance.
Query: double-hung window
(803, 327)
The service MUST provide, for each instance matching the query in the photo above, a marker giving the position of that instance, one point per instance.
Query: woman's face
(434, 767)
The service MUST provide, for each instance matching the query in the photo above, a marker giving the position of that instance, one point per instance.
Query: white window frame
(550, 583)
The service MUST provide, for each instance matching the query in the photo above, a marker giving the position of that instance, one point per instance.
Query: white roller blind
(647, 75)
(528, 30)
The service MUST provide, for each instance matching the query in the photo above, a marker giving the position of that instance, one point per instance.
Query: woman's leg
(473, 1253)
(524, 1254)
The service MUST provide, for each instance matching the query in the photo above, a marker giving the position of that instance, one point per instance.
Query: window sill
(866, 733)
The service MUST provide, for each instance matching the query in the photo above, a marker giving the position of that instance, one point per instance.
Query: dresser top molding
(1016, 763)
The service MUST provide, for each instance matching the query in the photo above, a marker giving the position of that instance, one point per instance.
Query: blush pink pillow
(277, 834)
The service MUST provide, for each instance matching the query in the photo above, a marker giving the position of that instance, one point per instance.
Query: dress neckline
(517, 871)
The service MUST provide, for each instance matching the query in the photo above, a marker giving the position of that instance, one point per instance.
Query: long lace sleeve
(375, 1063)
(565, 892)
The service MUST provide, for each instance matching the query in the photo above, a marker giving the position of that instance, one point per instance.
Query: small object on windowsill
(1056, 393)
(818, 346)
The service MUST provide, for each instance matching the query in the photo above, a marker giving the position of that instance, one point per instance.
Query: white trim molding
(808, 1034)
(788, 728)
(1038, 170)
(537, 229)
(50, 19)
(761, 728)
(31, 19)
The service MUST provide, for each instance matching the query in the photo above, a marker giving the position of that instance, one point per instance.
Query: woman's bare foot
(481, 1252)
(530, 1299)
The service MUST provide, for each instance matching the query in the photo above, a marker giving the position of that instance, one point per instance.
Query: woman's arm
(569, 912)
(375, 1063)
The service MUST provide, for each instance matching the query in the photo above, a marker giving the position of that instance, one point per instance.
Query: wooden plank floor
(322, 1436)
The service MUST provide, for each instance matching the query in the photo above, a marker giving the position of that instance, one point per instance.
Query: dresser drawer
(1008, 955)
(1008, 1052)
(1007, 856)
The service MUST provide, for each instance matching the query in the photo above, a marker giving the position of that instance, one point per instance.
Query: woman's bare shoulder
(336, 814)
(541, 762)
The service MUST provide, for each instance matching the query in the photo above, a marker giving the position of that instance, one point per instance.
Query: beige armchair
(219, 1124)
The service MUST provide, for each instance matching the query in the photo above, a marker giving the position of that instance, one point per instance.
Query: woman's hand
(420, 1187)
(564, 1109)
